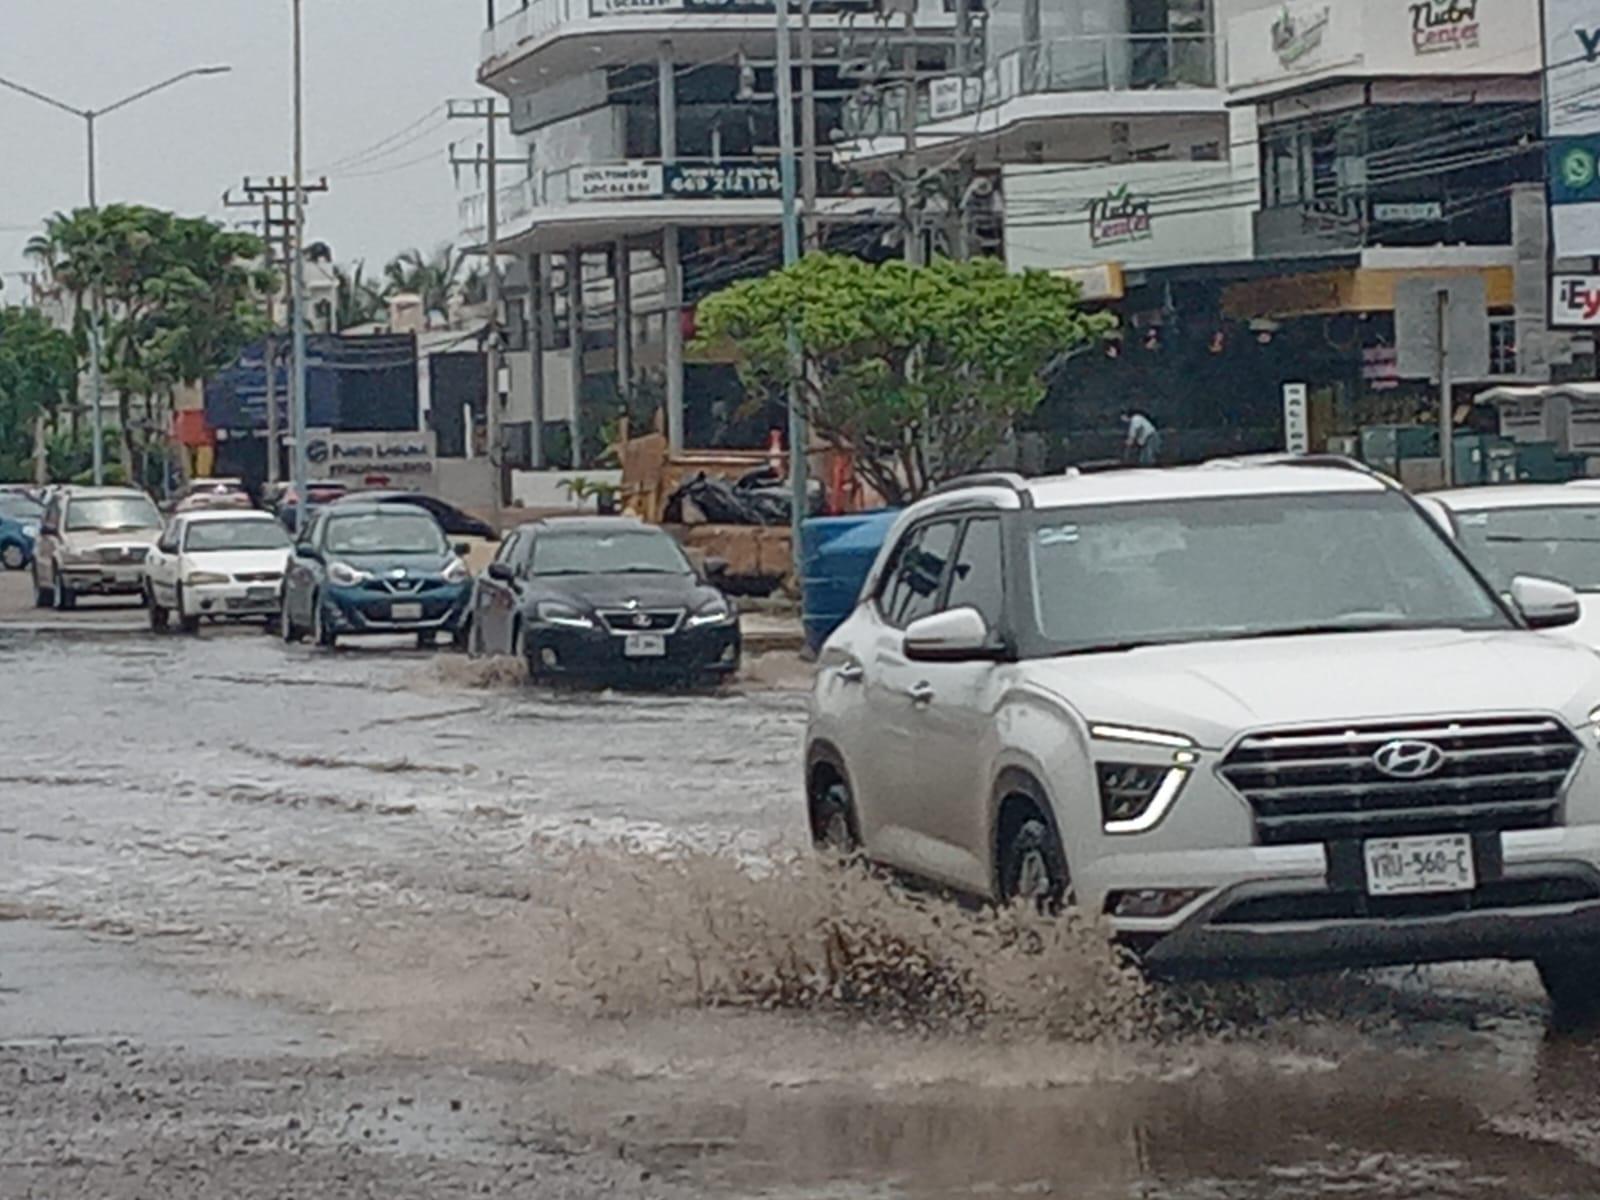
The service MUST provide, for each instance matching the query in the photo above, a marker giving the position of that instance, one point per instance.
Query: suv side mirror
(1544, 603)
(502, 571)
(959, 635)
(715, 568)
(307, 550)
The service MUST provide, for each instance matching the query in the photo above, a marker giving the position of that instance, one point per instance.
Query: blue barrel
(836, 554)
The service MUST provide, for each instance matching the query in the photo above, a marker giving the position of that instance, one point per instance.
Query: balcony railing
(685, 179)
(1100, 63)
(540, 17)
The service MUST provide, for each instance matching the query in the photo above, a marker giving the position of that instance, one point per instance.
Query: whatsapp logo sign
(1577, 167)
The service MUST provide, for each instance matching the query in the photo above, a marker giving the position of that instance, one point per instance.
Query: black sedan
(454, 521)
(602, 597)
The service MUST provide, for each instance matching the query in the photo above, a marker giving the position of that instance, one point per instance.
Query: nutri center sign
(1572, 124)
(1444, 26)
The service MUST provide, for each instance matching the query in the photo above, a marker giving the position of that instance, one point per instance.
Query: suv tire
(1032, 867)
(66, 598)
(834, 827)
(158, 615)
(42, 596)
(1572, 981)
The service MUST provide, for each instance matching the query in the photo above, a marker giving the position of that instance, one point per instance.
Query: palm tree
(436, 279)
(360, 302)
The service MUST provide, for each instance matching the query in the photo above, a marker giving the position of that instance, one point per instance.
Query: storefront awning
(1351, 290)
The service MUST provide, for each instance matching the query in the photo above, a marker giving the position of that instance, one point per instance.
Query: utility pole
(1447, 416)
(808, 130)
(908, 118)
(487, 111)
(279, 230)
(799, 434)
(297, 380)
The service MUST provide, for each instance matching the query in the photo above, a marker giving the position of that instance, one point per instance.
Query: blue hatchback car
(19, 528)
(374, 569)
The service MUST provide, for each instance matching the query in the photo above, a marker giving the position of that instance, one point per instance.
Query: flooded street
(278, 921)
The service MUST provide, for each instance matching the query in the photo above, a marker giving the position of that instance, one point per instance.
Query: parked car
(374, 568)
(93, 541)
(602, 596)
(1546, 529)
(280, 498)
(1257, 716)
(20, 515)
(221, 564)
(212, 493)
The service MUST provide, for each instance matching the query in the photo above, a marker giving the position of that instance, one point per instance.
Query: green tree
(38, 371)
(920, 372)
(181, 297)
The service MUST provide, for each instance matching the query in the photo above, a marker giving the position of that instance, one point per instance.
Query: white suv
(1261, 715)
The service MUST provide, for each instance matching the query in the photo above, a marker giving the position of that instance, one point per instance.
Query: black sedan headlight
(716, 612)
(553, 612)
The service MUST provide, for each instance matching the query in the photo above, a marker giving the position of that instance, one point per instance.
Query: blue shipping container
(836, 554)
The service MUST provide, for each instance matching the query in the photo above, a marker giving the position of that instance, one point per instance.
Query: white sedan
(218, 563)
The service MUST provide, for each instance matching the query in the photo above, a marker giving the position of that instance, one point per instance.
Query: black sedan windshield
(641, 552)
(395, 532)
(1556, 542)
(1248, 566)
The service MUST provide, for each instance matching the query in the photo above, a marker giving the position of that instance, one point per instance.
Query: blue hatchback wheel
(13, 557)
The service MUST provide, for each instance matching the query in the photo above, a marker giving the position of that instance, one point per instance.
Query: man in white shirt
(1144, 439)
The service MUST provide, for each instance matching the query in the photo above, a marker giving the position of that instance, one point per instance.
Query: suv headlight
(553, 612)
(717, 612)
(203, 578)
(456, 572)
(1136, 796)
(345, 575)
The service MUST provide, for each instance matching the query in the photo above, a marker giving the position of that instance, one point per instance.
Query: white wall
(1198, 211)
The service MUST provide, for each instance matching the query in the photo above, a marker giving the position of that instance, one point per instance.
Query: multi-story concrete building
(643, 176)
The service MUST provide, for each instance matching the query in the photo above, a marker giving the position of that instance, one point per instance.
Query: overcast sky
(373, 68)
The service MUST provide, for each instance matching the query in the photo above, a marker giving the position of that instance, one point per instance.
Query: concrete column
(672, 268)
(537, 287)
(622, 277)
(667, 102)
(575, 332)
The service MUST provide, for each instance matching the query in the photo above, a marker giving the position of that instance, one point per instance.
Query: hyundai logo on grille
(1404, 759)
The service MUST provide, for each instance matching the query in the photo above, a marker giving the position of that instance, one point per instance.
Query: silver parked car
(1259, 715)
(93, 541)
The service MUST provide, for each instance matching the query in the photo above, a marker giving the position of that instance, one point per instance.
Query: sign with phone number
(722, 179)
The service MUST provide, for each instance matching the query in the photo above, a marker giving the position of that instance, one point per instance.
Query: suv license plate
(1415, 865)
(645, 645)
(405, 612)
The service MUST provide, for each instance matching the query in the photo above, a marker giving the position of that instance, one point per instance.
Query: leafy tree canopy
(38, 370)
(920, 372)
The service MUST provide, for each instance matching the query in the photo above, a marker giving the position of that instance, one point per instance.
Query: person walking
(1143, 445)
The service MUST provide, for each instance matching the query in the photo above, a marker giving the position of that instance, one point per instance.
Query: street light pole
(799, 433)
(89, 116)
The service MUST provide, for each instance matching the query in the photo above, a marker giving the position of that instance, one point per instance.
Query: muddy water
(422, 860)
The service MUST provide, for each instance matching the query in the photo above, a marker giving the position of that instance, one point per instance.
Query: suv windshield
(1558, 542)
(641, 552)
(1250, 566)
(236, 535)
(110, 513)
(385, 533)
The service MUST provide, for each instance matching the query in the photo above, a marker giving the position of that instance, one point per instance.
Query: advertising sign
(616, 181)
(1296, 421)
(946, 97)
(1572, 124)
(1445, 26)
(1299, 35)
(1407, 210)
(722, 179)
(360, 456)
(1119, 216)
(1575, 301)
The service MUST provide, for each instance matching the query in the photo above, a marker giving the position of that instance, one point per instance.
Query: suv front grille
(122, 554)
(1319, 785)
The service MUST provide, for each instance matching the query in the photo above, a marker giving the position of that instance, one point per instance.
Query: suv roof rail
(1339, 462)
(1010, 480)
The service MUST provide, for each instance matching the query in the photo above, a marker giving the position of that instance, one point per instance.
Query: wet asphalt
(275, 921)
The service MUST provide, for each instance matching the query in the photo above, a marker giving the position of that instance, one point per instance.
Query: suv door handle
(921, 693)
(850, 672)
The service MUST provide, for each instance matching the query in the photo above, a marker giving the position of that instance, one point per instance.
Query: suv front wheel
(1032, 866)
(1572, 981)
